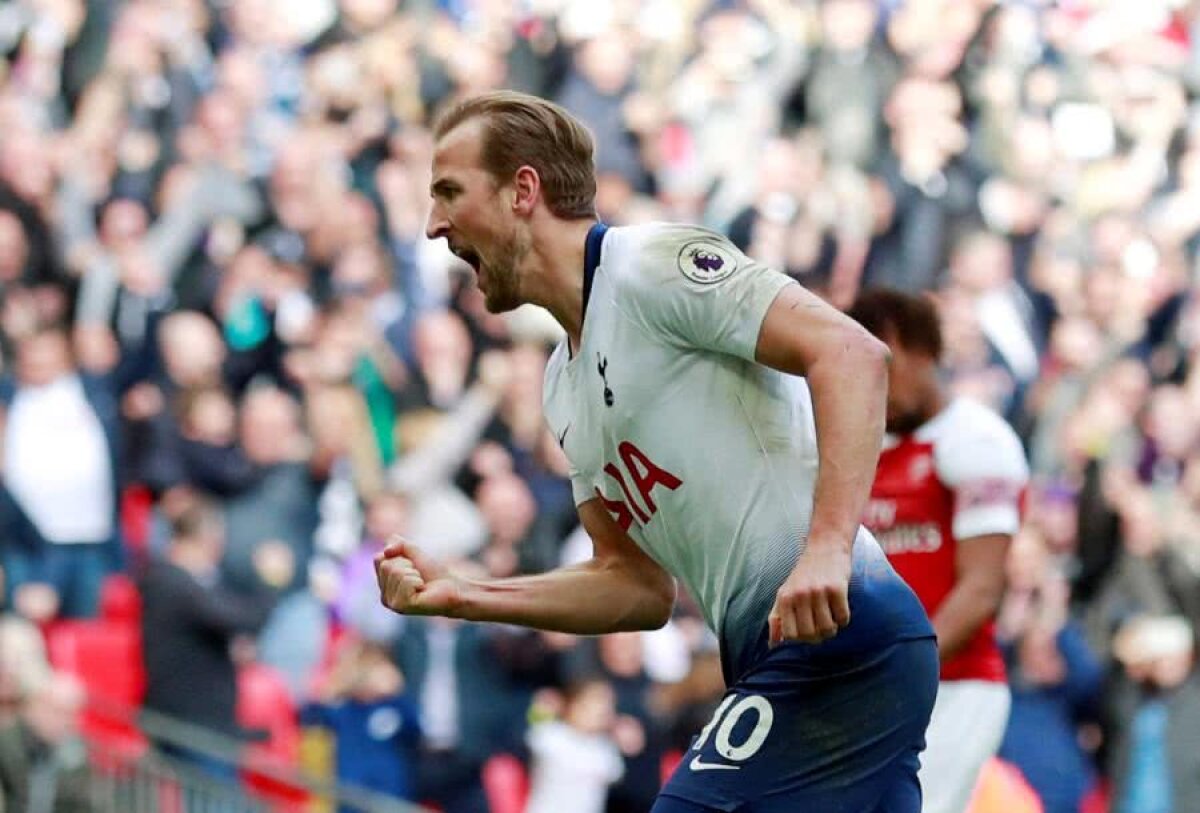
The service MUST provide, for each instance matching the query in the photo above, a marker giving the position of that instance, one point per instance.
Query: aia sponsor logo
(636, 474)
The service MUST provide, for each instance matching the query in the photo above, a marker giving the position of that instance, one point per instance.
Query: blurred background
(233, 366)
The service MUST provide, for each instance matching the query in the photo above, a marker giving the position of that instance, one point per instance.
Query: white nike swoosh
(699, 765)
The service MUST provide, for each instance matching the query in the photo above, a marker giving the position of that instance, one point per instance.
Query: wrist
(466, 604)
(831, 538)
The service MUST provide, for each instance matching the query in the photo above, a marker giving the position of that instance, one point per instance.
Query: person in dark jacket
(468, 711)
(1153, 708)
(190, 622)
(1055, 677)
(1055, 681)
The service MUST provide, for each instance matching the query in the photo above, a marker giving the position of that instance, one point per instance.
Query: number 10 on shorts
(724, 721)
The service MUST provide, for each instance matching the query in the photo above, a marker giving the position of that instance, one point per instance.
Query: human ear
(528, 187)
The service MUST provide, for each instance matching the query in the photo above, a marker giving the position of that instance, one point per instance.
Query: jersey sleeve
(695, 288)
(983, 464)
(581, 488)
(558, 421)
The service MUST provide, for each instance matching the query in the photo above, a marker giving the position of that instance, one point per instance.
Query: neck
(938, 399)
(188, 559)
(554, 271)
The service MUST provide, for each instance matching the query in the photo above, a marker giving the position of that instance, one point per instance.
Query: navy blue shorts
(799, 734)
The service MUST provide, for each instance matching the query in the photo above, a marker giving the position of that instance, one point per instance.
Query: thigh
(803, 736)
(903, 793)
(968, 724)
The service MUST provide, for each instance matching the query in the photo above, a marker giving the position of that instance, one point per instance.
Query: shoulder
(966, 422)
(557, 361)
(555, 373)
(970, 441)
(655, 254)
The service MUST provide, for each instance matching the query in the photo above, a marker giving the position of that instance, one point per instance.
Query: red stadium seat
(120, 601)
(506, 784)
(265, 705)
(107, 657)
(137, 505)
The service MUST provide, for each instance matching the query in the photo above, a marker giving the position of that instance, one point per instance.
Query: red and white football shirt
(958, 476)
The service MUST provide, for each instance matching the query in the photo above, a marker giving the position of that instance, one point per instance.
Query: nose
(437, 225)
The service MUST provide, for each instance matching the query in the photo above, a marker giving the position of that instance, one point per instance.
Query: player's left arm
(975, 597)
(846, 369)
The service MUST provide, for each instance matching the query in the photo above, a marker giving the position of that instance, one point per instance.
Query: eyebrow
(443, 186)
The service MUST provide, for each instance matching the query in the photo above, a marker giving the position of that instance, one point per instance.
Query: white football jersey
(706, 458)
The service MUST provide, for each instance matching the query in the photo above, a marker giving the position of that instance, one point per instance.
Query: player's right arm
(619, 589)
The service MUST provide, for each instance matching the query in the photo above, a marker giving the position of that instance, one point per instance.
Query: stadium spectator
(60, 442)
(190, 621)
(374, 722)
(467, 709)
(43, 760)
(280, 506)
(575, 757)
(1055, 679)
(637, 730)
(1153, 705)
(23, 663)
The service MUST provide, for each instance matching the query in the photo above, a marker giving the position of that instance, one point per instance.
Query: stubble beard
(504, 282)
(911, 419)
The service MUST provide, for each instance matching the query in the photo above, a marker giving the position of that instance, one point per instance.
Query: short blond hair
(519, 130)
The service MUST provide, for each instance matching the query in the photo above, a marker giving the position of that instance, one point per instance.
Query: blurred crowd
(233, 365)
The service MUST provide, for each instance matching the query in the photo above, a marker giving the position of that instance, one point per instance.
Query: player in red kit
(944, 507)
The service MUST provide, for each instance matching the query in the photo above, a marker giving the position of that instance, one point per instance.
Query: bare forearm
(964, 612)
(588, 599)
(849, 392)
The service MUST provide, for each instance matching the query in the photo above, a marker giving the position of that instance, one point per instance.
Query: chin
(499, 297)
(498, 303)
(904, 424)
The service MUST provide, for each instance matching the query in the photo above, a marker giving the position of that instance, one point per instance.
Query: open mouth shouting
(467, 255)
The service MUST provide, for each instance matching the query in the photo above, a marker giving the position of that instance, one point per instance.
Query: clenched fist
(813, 604)
(412, 583)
